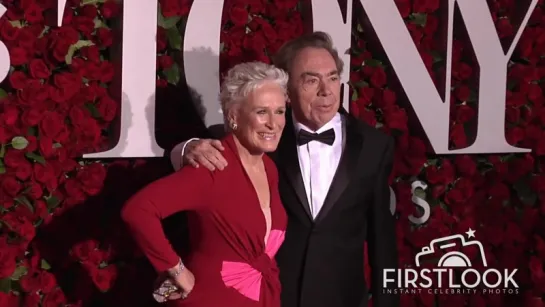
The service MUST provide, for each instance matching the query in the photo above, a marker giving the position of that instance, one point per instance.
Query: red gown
(233, 266)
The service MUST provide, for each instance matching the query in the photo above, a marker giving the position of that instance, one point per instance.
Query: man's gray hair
(318, 39)
(244, 78)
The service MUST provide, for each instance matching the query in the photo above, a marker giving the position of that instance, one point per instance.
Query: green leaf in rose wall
(93, 110)
(19, 142)
(419, 19)
(57, 145)
(372, 63)
(5, 285)
(31, 131)
(2, 150)
(24, 201)
(86, 2)
(2, 167)
(19, 272)
(420, 193)
(16, 23)
(45, 265)
(44, 31)
(75, 47)
(166, 23)
(472, 96)
(174, 38)
(436, 56)
(525, 193)
(173, 74)
(99, 23)
(354, 95)
(3, 93)
(35, 157)
(52, 202)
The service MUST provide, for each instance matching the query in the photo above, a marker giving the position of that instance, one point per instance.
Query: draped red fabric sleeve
(187, 189)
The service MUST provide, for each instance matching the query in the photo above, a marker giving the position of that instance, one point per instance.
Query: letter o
(464, 278)
(486, 281)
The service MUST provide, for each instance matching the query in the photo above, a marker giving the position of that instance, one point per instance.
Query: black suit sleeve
(381, 235)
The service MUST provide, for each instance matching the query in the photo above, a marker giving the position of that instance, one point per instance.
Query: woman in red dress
(236, 219)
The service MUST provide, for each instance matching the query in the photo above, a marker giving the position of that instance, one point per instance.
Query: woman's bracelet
(175, 271)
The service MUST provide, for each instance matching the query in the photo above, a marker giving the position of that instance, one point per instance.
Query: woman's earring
(234, 126)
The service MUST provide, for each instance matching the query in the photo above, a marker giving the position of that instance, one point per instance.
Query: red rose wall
(61, 238)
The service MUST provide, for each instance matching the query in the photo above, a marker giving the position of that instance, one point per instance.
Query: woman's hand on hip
(185, 281)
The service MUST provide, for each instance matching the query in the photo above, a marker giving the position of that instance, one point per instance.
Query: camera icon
(452, 258)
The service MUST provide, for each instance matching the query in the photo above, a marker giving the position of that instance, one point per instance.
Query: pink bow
(246, 278)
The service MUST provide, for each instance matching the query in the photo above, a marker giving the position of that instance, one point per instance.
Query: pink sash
(244, 277)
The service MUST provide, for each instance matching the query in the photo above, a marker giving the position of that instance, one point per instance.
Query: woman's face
(261, 118)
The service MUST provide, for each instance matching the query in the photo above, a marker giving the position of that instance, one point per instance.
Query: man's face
(315, 87)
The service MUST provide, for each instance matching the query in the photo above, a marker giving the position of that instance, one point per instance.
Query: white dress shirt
(319, 162)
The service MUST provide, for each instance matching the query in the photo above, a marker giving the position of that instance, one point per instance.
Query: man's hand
(206, 153)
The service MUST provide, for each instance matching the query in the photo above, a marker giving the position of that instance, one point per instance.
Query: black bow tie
(326, 137)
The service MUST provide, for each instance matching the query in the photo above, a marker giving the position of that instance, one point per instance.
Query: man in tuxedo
(334, 173)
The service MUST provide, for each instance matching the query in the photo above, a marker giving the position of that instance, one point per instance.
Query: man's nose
(324, 89)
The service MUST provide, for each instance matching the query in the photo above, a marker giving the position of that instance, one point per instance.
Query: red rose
(89, 11)
(8, 32)
(51, 124)
(458, 136)
(365, 96)
(38, 69)
(7, 259)
(105, 37)
(465, 165)
(9, 299)
(74, 192)
(32, 117)
(395, 118)
(5, 135)
(88, 132)
(109, 9)
(378, 78)
(34, 190)
(104, 278)
(45, 174)
(23, 171)
(32, 300)
(33, 13)
(20, 225)
(10, 115)
(82, 250)
(84, 25)
(54, 299)
(11, 186)
(92, 178)
(238, 15)
(161, 39)
(17, 79)
(107, 72)
(18, 56)
(461, 71)
(171, 8)
(425, 6)
(404, 7)
(107, 107)
(499, 191)
(164, 61)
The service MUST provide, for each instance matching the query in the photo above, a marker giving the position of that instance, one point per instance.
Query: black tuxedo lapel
(347, 165)
(289, 160)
